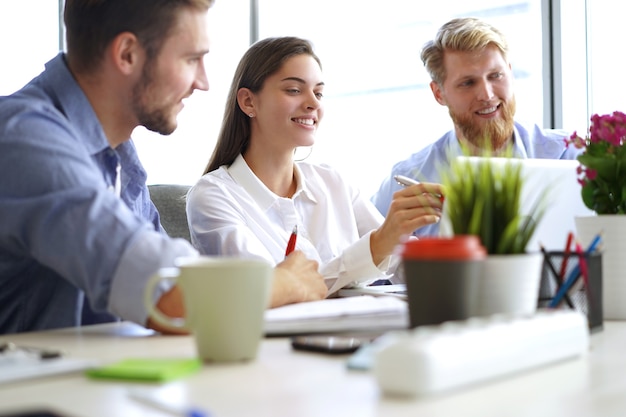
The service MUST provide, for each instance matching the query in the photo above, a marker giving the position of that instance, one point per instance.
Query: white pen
(155, 401)
(406, 181)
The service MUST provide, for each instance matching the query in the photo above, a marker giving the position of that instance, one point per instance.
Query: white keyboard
(432, 359)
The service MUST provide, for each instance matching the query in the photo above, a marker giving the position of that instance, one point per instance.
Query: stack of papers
(366, 313)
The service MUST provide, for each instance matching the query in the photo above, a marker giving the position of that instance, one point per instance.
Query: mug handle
(174, 323)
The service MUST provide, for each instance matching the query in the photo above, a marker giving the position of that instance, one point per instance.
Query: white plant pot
(510, 284)
(613, 248)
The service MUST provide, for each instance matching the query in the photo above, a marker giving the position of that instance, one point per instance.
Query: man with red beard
(471, 75)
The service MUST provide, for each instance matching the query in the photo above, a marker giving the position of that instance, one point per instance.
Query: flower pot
(613, 247)
(510, 284)
(442, 278)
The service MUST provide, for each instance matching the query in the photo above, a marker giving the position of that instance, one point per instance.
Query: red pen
(292, 241)
(568, 245)
(582, 262)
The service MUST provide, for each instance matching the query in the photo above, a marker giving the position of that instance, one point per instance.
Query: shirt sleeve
(355, 264)
(220, 224)
(56, 210)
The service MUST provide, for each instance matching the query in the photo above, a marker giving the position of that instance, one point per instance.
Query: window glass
(379, 107)
(606, 29)
(182, 156)
(28, 39)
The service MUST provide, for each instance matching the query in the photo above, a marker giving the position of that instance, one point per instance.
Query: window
(379, 106)
(182, 156)
(607, 86)
(29, 33)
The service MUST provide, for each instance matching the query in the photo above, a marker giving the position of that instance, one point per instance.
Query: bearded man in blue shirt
(79, 234)
(471, 75)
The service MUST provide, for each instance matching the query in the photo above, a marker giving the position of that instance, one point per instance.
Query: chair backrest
(169, 199)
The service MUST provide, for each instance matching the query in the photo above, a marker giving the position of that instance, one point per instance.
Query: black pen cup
(585, 297)
(442, 277)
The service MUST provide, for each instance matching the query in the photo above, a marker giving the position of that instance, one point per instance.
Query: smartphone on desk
(336, 344)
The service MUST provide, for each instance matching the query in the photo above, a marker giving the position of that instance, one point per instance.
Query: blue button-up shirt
(64, 233)
(427, 164)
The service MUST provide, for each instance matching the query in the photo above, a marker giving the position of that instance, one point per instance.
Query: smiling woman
(253, 193)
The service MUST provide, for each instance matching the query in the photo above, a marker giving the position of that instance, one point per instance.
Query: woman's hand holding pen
(297, 279)
(412, 207)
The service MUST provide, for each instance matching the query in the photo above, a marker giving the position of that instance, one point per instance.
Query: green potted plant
(602, 176)
(484, 198)
(603, 163)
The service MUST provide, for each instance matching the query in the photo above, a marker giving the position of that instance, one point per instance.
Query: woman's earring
(251, 115)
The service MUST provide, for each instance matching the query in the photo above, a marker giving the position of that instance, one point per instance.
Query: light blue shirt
(65, 235)
(427, 164)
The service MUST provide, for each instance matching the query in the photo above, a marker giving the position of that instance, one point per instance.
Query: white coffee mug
(225, 301)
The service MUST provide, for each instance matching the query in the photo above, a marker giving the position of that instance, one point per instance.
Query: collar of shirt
(77, 109)
(264, 197)
(75, 105)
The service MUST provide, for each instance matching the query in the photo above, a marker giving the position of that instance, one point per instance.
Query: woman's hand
(411, 208)
(297, 279)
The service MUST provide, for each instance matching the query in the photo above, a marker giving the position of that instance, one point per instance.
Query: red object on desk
(291, 245)
(568, 245)
(455, 248)
(582, 262)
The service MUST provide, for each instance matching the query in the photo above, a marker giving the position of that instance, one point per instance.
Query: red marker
(292, 241)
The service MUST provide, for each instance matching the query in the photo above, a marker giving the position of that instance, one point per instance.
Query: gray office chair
(169, 199)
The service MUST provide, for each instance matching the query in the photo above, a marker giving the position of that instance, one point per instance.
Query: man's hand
(171, 304)
(296, 279)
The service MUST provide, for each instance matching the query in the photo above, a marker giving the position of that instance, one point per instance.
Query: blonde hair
(463, 34)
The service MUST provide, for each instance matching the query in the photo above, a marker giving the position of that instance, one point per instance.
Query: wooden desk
(281, 382)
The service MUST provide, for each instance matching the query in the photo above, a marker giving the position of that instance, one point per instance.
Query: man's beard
(151, 117)
(492, 135)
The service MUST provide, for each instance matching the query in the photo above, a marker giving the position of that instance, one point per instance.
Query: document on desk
(20, 369)
(362, 313)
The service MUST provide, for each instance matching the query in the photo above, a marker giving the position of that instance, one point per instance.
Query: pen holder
(584, 297)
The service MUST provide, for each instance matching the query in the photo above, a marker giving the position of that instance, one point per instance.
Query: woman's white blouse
(231, 212)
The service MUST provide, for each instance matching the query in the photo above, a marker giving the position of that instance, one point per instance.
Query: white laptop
(559, 178)
(564, 204)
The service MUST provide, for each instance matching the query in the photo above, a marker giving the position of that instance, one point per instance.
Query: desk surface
(282, 382)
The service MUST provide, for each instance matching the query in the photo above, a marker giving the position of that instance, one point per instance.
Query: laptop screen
(559, 178)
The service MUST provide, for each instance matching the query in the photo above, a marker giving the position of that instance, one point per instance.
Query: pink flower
(576, 141)
(609, 128)
(591, 174)
(602, 169)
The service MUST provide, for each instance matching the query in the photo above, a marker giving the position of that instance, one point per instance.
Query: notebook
(560, 179)
(363, 313)
(392, 290)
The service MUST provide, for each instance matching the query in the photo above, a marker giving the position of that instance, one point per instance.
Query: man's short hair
(463, 34)
(92, 24)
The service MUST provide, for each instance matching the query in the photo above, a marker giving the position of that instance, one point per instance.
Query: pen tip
(295, 229)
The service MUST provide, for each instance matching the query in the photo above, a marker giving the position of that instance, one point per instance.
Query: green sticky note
(148, 370)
